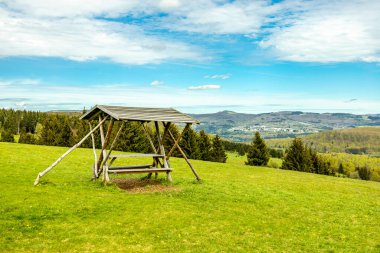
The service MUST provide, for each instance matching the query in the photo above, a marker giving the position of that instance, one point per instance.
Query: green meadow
(236, 208)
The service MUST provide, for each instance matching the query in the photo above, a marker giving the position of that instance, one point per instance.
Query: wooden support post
(94, 168)
(41, 174)
(184, 156)
(104, 164)
(155, 159)
(103, 153)
(162, 151)
(166, 129)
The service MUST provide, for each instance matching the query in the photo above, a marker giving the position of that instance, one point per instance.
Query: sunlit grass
(235, 208)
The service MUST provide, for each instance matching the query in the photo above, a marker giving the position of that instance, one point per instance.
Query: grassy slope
(236, 208)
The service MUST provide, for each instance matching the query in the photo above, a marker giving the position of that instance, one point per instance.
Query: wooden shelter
(104, 160)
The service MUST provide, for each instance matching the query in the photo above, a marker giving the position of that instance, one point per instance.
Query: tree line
(302, 157)
(59, 129)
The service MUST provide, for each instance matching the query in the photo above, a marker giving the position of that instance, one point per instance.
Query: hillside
(239, 126)
(235, 208)
(361, 140)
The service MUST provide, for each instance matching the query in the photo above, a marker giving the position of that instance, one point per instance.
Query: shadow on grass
(136, 185)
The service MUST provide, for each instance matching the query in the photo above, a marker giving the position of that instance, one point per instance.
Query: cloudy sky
(197, 56)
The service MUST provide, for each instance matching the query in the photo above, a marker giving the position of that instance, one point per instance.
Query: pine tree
(27, 138)
(297, 157)
(64, 132)
(218, 153)
(132, 139)
(204, 146)
(258, 153)
(47, 135)
(189, 144)
(7, 136)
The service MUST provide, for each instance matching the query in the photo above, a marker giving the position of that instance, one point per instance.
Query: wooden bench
(140, 166)
(135, 155)
(139, 170)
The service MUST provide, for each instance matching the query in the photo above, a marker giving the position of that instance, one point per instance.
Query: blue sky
(199, 56)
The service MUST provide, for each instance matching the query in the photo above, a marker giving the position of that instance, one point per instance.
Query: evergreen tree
(7, 136)
(297, 157)
(364, 173)
(27, 138)
(241, 150)
(204, 146)
(56, 131)
(64, 132)
(258, 153)
(218, 153)
(47, 135)
(319, 165)
(189, 144)
(133, 139)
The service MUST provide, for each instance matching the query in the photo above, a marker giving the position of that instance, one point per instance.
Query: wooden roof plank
(140, 114)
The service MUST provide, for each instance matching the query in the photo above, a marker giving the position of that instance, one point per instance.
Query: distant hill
(240, 126)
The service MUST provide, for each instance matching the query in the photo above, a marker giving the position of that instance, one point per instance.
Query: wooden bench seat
(127, 167)
(135, 155)
(149, 170)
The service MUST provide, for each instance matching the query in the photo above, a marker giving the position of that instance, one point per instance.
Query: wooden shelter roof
(139, 114)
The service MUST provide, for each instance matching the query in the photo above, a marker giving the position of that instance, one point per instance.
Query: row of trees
(15, 121)
(65, 130)
(298, 157)
(301, 157)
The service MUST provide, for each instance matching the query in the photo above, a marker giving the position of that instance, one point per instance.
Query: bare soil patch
(143, 185)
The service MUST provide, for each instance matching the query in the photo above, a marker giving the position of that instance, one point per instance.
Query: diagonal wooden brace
(184, 155)
(151, 142)
(41, 174)
(176, 142)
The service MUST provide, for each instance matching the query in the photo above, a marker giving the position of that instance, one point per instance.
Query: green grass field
(236, 208)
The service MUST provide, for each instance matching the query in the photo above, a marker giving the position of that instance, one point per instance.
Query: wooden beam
(95, 169)
(107, 179)
(41, 174)
(162, 150)
(149, 137)
(176, 142)
(101, 129)
(166, 128)
(150, 141)
(184, 156)
(104, 147)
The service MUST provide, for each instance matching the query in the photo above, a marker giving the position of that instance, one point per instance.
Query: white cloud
(72, 8)
(156, 83)
(222, 76)
(220, 17)
(83, 38)
(25, 81)
(292, 30)
(329, 31)
(205, 87)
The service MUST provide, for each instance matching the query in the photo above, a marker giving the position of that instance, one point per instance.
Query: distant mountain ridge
(240, 126)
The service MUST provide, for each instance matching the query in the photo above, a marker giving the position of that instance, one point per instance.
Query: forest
(359, 140)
